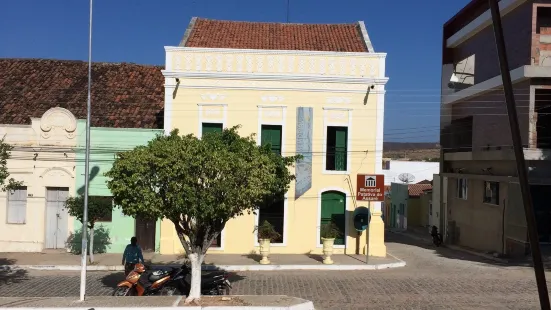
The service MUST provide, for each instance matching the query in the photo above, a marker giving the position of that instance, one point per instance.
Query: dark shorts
(128, 267)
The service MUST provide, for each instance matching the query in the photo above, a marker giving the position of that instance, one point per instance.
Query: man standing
(132, 255)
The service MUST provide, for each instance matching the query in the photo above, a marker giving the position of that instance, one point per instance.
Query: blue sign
(303, 167)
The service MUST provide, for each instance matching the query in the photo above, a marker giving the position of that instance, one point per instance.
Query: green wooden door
(271, 134)
(333, 208)
(211, 127)
(341, 139)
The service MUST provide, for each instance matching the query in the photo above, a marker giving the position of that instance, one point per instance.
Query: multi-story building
(478, 189)
(315, 90)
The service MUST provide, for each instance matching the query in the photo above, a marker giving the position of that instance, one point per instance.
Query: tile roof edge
(189, 30)
(82, 61)
(260, 22)
(365, 35)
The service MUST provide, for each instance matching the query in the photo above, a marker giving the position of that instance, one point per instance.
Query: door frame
(155, 222)
(69, 228)
(285, 220)
(318, 219)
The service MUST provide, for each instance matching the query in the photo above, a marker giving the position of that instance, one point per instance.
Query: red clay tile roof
(415, 190)
(424, 182)
(275, 36)
(123, 95)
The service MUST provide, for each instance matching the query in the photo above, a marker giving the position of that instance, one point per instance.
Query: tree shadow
(9, 275)
(102, 241)
(93, 173)
(112, 279)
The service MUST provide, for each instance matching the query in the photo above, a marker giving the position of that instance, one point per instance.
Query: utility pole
(86, 168)
(288, 10)
(519, 156)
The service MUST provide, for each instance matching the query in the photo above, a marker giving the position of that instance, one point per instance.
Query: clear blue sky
(137, 30)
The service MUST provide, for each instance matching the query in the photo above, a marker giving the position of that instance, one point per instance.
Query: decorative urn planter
(264, 251)
(327, 250)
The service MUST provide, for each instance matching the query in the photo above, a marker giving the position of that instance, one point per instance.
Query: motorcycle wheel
(121, 291)
(170, 290)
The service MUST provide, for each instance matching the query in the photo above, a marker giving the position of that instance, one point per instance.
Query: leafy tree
(98, 208)
(198, 184)
(5, 154)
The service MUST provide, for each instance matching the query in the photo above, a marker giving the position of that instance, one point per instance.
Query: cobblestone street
(442, 279)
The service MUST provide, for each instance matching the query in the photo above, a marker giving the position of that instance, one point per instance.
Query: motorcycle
(212, 282)
(436, 237)
(127, 287)
(168, 281)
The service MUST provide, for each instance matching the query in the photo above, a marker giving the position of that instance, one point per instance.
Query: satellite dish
(362, 217)
(406, 177)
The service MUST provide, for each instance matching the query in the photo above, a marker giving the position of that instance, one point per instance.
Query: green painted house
(112, 233)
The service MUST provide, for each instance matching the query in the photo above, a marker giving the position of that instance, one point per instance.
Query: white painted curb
(258, 267)
(303, 306)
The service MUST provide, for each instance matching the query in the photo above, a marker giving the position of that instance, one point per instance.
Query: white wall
(420, 169)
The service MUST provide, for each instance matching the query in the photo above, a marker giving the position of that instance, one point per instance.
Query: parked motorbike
(167, 281)
(212, 282)
(436, 237)
(127, 287)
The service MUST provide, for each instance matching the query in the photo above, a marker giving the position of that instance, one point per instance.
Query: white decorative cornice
(338, 100)
(212, 97)
(273, 52)
(58, 119)
(274, 77)
(272, 88)
(272, 98)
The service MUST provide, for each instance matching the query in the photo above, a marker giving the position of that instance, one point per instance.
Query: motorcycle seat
(158, 274)
(212, 274)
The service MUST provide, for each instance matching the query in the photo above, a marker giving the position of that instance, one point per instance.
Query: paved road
(432, 280)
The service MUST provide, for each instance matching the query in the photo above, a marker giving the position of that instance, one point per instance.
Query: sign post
(371, 187)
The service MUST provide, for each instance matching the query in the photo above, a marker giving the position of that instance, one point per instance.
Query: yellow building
(315, 90)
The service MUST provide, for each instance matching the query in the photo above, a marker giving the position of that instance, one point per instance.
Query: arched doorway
(333, 208)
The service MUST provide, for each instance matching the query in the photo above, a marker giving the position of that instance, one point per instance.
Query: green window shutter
(271, 134)
(333, 208)
(212, 127)
(341, 148)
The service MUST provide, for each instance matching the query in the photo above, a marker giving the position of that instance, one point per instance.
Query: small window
(17, 205)
(430, 208)
(102, 200)
(462, 188)
(271, 134)
(491, 193)
(211, 127)
(386, 164)
(337, 149)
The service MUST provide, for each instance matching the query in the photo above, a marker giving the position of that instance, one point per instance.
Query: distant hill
(416, 151)
(398, 146)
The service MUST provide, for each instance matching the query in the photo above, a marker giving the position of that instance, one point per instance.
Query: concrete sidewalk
(268, 302)
(230, 262)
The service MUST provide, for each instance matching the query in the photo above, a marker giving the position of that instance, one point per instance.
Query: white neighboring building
(420, 170)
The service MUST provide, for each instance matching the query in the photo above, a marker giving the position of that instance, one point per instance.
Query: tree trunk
(195, 289)
(92, 244)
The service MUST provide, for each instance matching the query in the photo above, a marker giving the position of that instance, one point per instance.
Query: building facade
(311, 90)
(33, 217)
(478, 191)
(406, 207)
(42, 104)
(113, 233)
